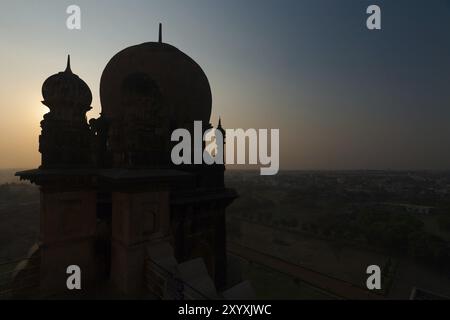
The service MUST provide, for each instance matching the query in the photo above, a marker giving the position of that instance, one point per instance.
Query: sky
(343, 96)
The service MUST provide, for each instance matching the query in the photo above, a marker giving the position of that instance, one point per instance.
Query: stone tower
(65, 139)
(108, 188)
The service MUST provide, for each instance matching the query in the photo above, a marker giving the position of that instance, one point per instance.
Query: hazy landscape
(338, 223)
(334, 224)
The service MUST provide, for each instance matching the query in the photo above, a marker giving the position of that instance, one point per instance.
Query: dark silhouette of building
(109, 190)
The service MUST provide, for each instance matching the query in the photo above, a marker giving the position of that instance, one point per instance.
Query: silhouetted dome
(156, 67)
(66, 87)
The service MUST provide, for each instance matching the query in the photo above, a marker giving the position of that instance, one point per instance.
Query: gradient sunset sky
(342, 96)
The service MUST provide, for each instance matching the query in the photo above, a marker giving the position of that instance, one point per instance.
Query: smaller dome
(66, 87)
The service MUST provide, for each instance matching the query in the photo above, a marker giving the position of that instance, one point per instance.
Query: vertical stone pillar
(68, 222)
(137, 219)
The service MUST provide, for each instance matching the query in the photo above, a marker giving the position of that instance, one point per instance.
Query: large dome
(66, 88)
(158, 67)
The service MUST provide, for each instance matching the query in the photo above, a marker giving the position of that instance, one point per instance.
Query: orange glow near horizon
(19, 146)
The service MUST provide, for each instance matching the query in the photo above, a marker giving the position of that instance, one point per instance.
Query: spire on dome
(68, 65)
(160, 33)
(219, 127)
(75, 89)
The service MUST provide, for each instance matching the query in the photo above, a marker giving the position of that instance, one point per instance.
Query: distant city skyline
(342, 96)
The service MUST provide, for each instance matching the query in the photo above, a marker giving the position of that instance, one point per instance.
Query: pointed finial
(160, 33)
(222, 130)
(68, 65)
